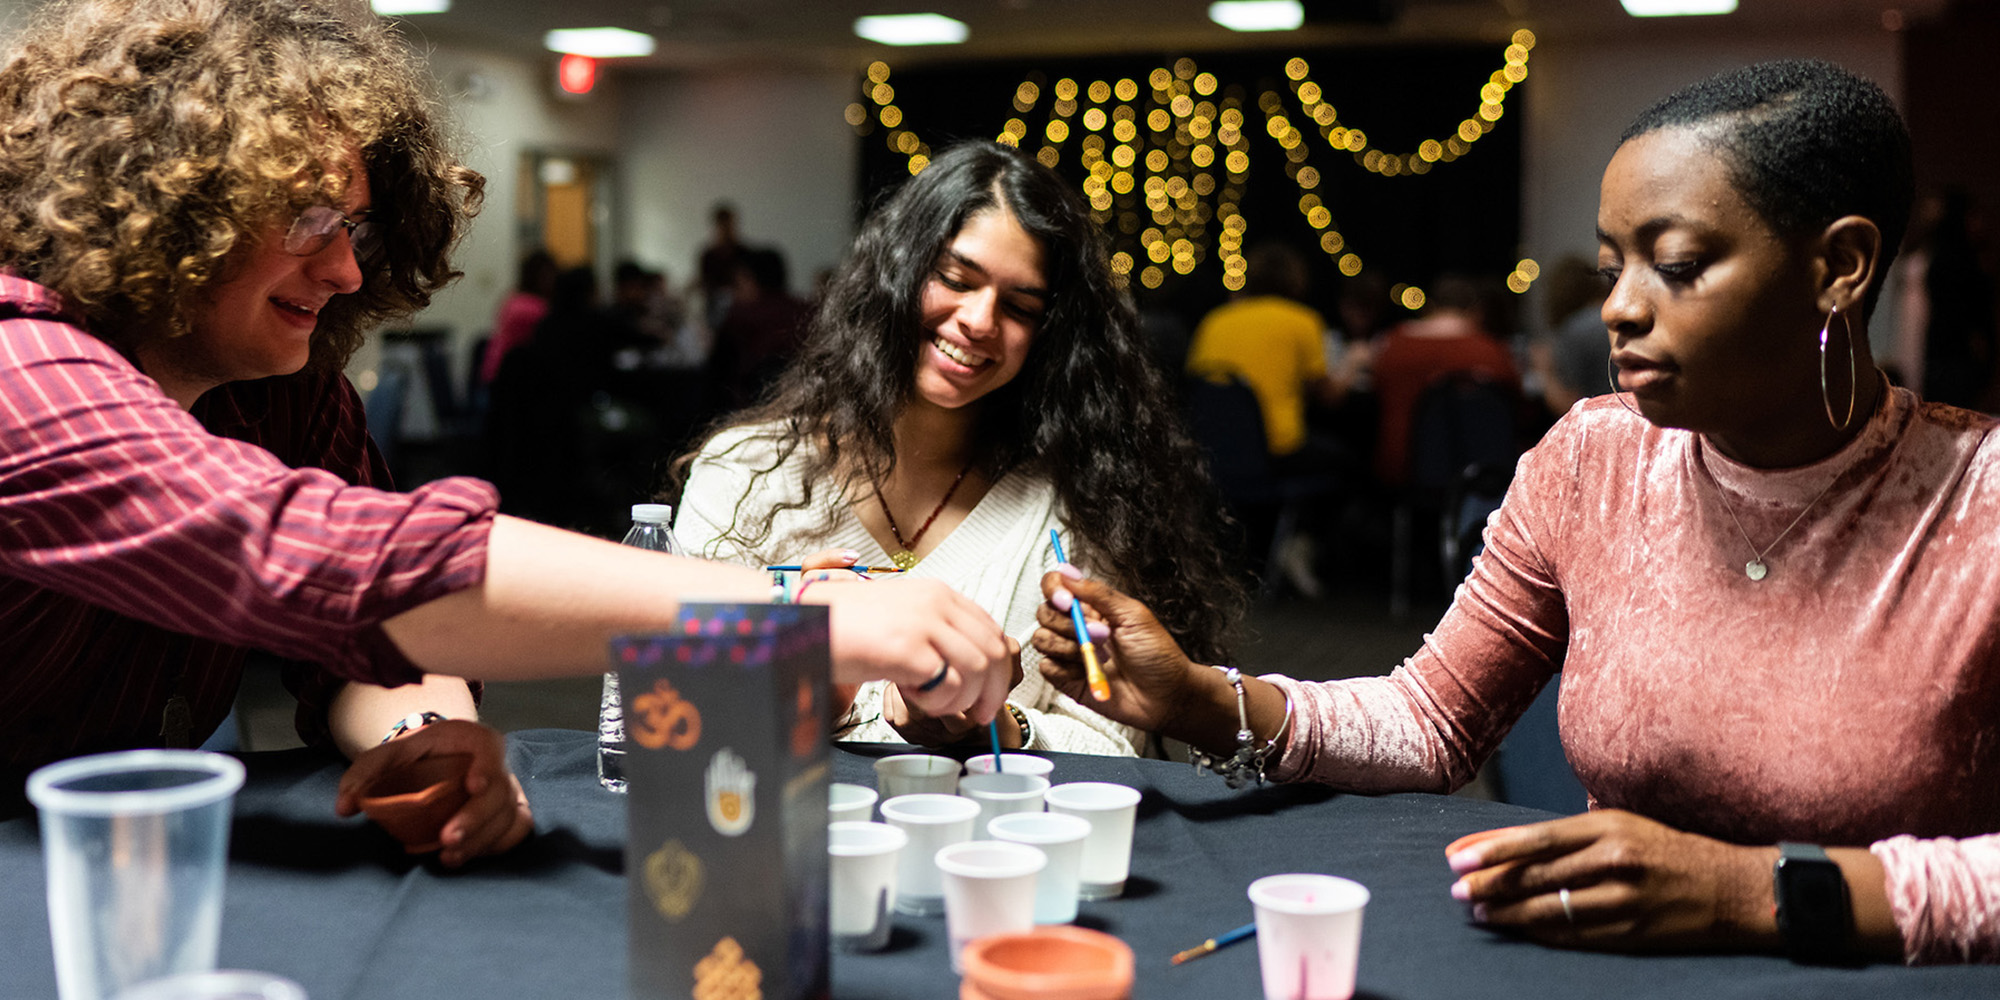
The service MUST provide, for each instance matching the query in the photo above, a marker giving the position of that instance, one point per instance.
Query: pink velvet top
(1848, 698)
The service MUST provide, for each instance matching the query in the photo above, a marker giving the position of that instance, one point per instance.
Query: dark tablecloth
(335, 905)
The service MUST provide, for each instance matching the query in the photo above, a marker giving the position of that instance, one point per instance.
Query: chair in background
(1530, 768)
(1463, 448)
(1228, 425)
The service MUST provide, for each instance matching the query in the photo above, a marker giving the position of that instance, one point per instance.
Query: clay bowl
(1057, 962)
(414, 803)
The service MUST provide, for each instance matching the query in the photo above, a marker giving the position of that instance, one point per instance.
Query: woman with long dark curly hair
(975, 377)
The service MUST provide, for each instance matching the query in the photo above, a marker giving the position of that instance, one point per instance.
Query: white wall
(1583, 93)
(772, 143)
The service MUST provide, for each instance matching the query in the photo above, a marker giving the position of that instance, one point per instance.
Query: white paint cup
(916, 774)
(1011, 763)
(1107, 852)
(1060, 837)
(989, 888)
(932, 822)
(1308, 935)
(849, 803)
(1000, 794)
(229, 984)
(861, 882)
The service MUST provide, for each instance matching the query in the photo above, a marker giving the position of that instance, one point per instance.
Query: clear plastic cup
(989, 888)
(862, 882)
(1000, 794)
(916, 774)
(229, 984)
(135, 843)
(1308, 935)
(1107, 852)
(1060, 837)
(932, 821)
(849, 803)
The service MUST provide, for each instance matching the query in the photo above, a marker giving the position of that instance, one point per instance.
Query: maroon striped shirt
(142, 548)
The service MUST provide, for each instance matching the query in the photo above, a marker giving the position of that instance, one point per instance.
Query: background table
(335, 904)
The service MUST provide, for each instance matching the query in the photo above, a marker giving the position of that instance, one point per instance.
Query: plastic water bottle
(649, 531)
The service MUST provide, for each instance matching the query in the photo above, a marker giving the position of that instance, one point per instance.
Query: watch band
(1815, 915)
(411, 723)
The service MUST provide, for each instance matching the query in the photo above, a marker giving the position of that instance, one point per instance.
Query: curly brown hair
(142, 142)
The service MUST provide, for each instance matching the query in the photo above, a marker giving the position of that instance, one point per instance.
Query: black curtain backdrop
(1462, 216)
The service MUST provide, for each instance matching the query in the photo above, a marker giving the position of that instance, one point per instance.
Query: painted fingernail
(1097, 630)
(1461, 891)
(1479, 913)
(849, 555)
(1069, 571)
(1061, 600)
(1465, 861)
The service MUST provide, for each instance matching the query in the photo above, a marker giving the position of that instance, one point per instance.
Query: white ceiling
(701, 34)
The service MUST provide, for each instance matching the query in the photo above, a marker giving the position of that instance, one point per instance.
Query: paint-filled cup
(1000, 794)
(1011, 763)
(1308, 935)
(989, 888)
(135, 843)
(1060, 837)
(862, 882)
(229, 984)
(1107, 852)
(932, 822)
(849, 803)
(916, 774)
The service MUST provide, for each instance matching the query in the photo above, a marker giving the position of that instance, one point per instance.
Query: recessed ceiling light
(397, 8)
(600, 43)
(1677, 8)
(1258, 15)
(912, 29)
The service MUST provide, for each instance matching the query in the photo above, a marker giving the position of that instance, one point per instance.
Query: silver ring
(1563, 896)
(943, 669)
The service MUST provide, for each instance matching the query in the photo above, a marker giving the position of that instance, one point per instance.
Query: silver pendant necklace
(1757, 569)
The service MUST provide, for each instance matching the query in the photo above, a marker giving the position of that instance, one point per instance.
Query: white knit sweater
(996, 557)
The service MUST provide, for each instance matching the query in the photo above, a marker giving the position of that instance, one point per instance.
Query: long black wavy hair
(1088, 410)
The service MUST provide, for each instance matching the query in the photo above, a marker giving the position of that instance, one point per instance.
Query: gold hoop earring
(1853, 386)
(1611, 374)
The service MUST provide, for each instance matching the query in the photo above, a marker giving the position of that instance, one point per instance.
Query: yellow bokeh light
(1203, 185)
(855, 114)
(1064, 109)
(1297, 69)
(1357, 140)
(1309, 202)
(1233, 282)
(1324, 114)
(1057, 131)
(1276, 125)
(1456, 146)
(1391, 165)
(1233, 223)
(1047, 156)
(1015, 127)
(1372, 160)
(1158, 251)
(1524, 38)
(1093, 186)
(1529, 269)
(1492, 93)
(883, 93)
(1094, 119)
(1121, 263)
(1065, 89)
(1027, 93)
(1123, 156)
(1160, 77)
(1007, 139)
(1235, 264)
(1154, 186)
(1151, 277)
(1121, 182)
(1309, 93)
(1099, 91)
(1416, 166)
(1182, 106)
(1430, 150)
(1350, 265)
(1199, 128)
(1184, 68)
(1176, 187)
(892, 116)
(1202, 155)
(1183, 265)
(1308, 178)
(878, 71)
(1490, 112)
(1515, 74)
(1102, 170)
(1319, 218)
(1158, 120)
(1517, 284)
(918, 163)
(1124, 131)
(1204, 84)
(1237, 162)
(1231, 117)
(1413, 298)
(1101, 201)
(1516, 54)
(1126, 89)
(1468, 130)
(1331, 241)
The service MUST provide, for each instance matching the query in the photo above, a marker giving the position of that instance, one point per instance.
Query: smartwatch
(1815, 916)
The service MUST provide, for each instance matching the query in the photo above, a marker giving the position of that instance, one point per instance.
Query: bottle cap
(653, 513)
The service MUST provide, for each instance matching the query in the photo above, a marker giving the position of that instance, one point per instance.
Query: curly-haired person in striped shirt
(204, 205)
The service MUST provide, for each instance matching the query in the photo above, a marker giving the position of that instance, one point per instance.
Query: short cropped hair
(144, 141)
(1807, 143)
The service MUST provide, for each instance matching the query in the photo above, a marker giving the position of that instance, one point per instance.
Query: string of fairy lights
(1166, 160)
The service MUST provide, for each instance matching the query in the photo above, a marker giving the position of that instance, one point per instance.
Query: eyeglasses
(315, 227)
